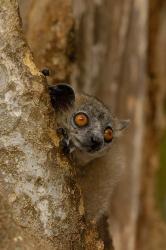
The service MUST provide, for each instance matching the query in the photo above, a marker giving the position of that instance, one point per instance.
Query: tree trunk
(151, 224)
(40, 202)
(48, 26)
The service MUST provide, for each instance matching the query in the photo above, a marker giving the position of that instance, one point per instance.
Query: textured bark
(40, 201)
(49, 30)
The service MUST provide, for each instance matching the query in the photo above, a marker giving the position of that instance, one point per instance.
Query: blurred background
(115, 50)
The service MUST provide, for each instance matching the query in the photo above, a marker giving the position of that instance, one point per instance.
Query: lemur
(88, 131)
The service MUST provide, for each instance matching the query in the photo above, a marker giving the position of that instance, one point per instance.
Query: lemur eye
(81, 120)
(108, 134)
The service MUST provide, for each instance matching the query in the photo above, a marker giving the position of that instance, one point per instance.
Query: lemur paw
(62, 132)
(64, 146)
(64, 143)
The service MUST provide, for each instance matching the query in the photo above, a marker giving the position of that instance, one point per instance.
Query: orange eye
(108, 135)
(81, 120)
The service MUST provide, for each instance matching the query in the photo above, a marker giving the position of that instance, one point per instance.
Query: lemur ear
(120, 126)
(62, 96)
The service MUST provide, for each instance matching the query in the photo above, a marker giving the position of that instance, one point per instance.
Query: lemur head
(90, 125)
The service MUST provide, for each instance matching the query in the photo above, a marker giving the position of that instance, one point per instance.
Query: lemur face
(89, 125)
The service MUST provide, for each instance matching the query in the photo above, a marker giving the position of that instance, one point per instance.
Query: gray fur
(97, 177)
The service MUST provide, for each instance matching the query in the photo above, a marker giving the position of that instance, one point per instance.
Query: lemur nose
(96, 142)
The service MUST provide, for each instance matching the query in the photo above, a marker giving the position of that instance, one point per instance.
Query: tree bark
(48, 26)
(151, 224)
(40, 202)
